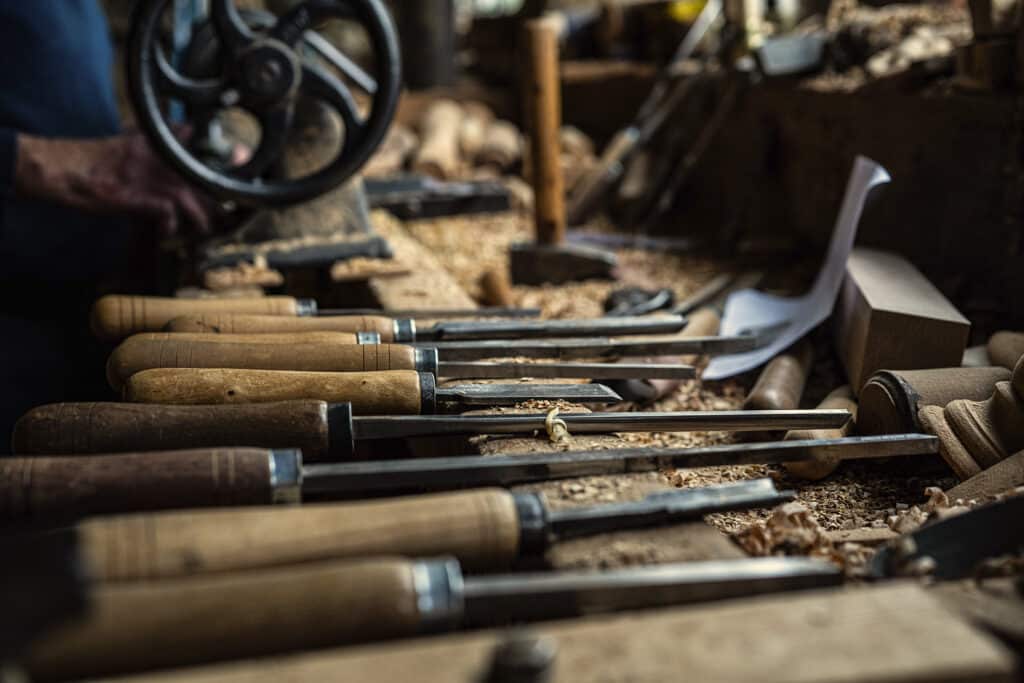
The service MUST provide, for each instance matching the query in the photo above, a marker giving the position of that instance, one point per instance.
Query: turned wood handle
(148, 351)
(86, 428)
(50, 489)
(438, 155)
(140, 627)
(392, 392)
(116, 317)
(1006, 348)
(840, 399)
(782, 382)
(229, 323)
(544, 108)
(481, 528)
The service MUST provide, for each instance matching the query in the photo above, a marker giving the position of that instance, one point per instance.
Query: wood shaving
(558, 431)
(245, 274)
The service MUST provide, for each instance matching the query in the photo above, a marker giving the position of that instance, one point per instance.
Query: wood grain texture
(115, 317)
(53, 489)
(544, 109)
(393, 392)
(87, 428)
(145, 352)
(481, 528)
(896, 633)
(138, 627)
(1006, 348)
(1000, 478)
(229, 323)
(839, 399)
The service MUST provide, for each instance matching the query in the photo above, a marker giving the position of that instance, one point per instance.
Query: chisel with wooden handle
(146, 626)
(321, 353)
(389, 392)
(330, 432)
(484, 529)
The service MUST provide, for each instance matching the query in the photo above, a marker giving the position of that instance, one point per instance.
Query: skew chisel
(246, 352)
(267, 612)
(484, 528)
(390, 392)
(329, 432)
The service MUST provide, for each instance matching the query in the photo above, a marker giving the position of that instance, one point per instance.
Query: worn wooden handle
(840, 399)
(84, 428)
(48, 489)
(148, 351)
(228, 323)
(481, 528)
(116, 317)
(394, 392)
(782, 382)
(544, 102)
(140, 627)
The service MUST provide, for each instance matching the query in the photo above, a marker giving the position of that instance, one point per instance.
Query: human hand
(114, 175)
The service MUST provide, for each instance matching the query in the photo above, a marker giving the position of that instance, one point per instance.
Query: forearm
(47, 168)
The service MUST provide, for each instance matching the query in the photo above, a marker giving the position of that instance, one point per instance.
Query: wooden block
(890, 317)
(895, 633)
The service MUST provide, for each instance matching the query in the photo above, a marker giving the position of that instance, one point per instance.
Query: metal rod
(601, 347)
(435, 313)
(534, 329)
(481, 370)
(511, 394)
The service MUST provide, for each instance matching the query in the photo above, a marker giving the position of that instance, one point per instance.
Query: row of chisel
(245, 406)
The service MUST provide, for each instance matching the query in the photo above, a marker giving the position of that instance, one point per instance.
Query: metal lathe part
(485, 370)
(392, 476)
(597, 347)
(285, 476)
(538, 329)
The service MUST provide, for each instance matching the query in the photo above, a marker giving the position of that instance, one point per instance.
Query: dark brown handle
(83, 428)
(782, 382)
(228, 323)
(481, 528)
(48, 489)
(140, 627)
(840, 399)
(117, 317)
(393, 392)
(148, 351)
(544, 102)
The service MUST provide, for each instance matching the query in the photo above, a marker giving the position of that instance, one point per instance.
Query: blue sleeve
(8, 160)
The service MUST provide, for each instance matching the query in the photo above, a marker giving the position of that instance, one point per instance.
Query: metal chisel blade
(598, 347)
(511, 394)
(538, 329)
(391, 476)
(437, 313)
(484, 370)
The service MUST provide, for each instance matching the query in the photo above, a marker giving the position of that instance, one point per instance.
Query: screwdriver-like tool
(330, 432)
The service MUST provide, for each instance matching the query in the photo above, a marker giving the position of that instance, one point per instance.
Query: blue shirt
(56, 80)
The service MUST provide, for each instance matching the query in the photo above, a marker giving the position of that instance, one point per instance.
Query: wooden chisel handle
(164, 624)
(230, 323)
(544, 108)
(392, 392)
(89, 428)
(840, 399)
(481, 528)
(147, 351)
(54, 489)
(116, 317)
(781, 384)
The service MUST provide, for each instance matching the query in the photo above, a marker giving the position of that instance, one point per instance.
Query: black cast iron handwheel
(263, 72)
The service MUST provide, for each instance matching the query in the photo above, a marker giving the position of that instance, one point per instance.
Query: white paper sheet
(749, 310)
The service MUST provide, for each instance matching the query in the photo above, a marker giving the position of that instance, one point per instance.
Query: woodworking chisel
(388, 392)
(246, 352)
(439, 313)
(329, 432)
(484, 528)
(260, 613)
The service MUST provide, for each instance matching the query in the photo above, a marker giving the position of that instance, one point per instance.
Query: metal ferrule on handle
(533, 523)
(285, 476)
(405, 330)
(368, 337)
(428, 393)
(428, 360)
(440, 594)
(305, 308)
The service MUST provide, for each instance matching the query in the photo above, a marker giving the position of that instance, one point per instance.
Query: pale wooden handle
(438, 155)
(49, 489)
(781, 384)
(545, 119)
(228, 323)
(88, 428)
(840, 399)
(481, 528)
(117, 317)
(393, 392)
(165, 624)
(145, 352)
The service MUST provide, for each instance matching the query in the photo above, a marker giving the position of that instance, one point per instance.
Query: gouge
(266, 612)
(322, 354)
(484, 529)
(330, 432)
(398, 392)
(402, 330)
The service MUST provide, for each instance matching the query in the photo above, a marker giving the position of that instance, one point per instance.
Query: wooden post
(544, 108)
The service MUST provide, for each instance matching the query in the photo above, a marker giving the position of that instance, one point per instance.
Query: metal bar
(511, 394)
(434, 313)
(600, 347)
(483, 370)
(533, 329)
